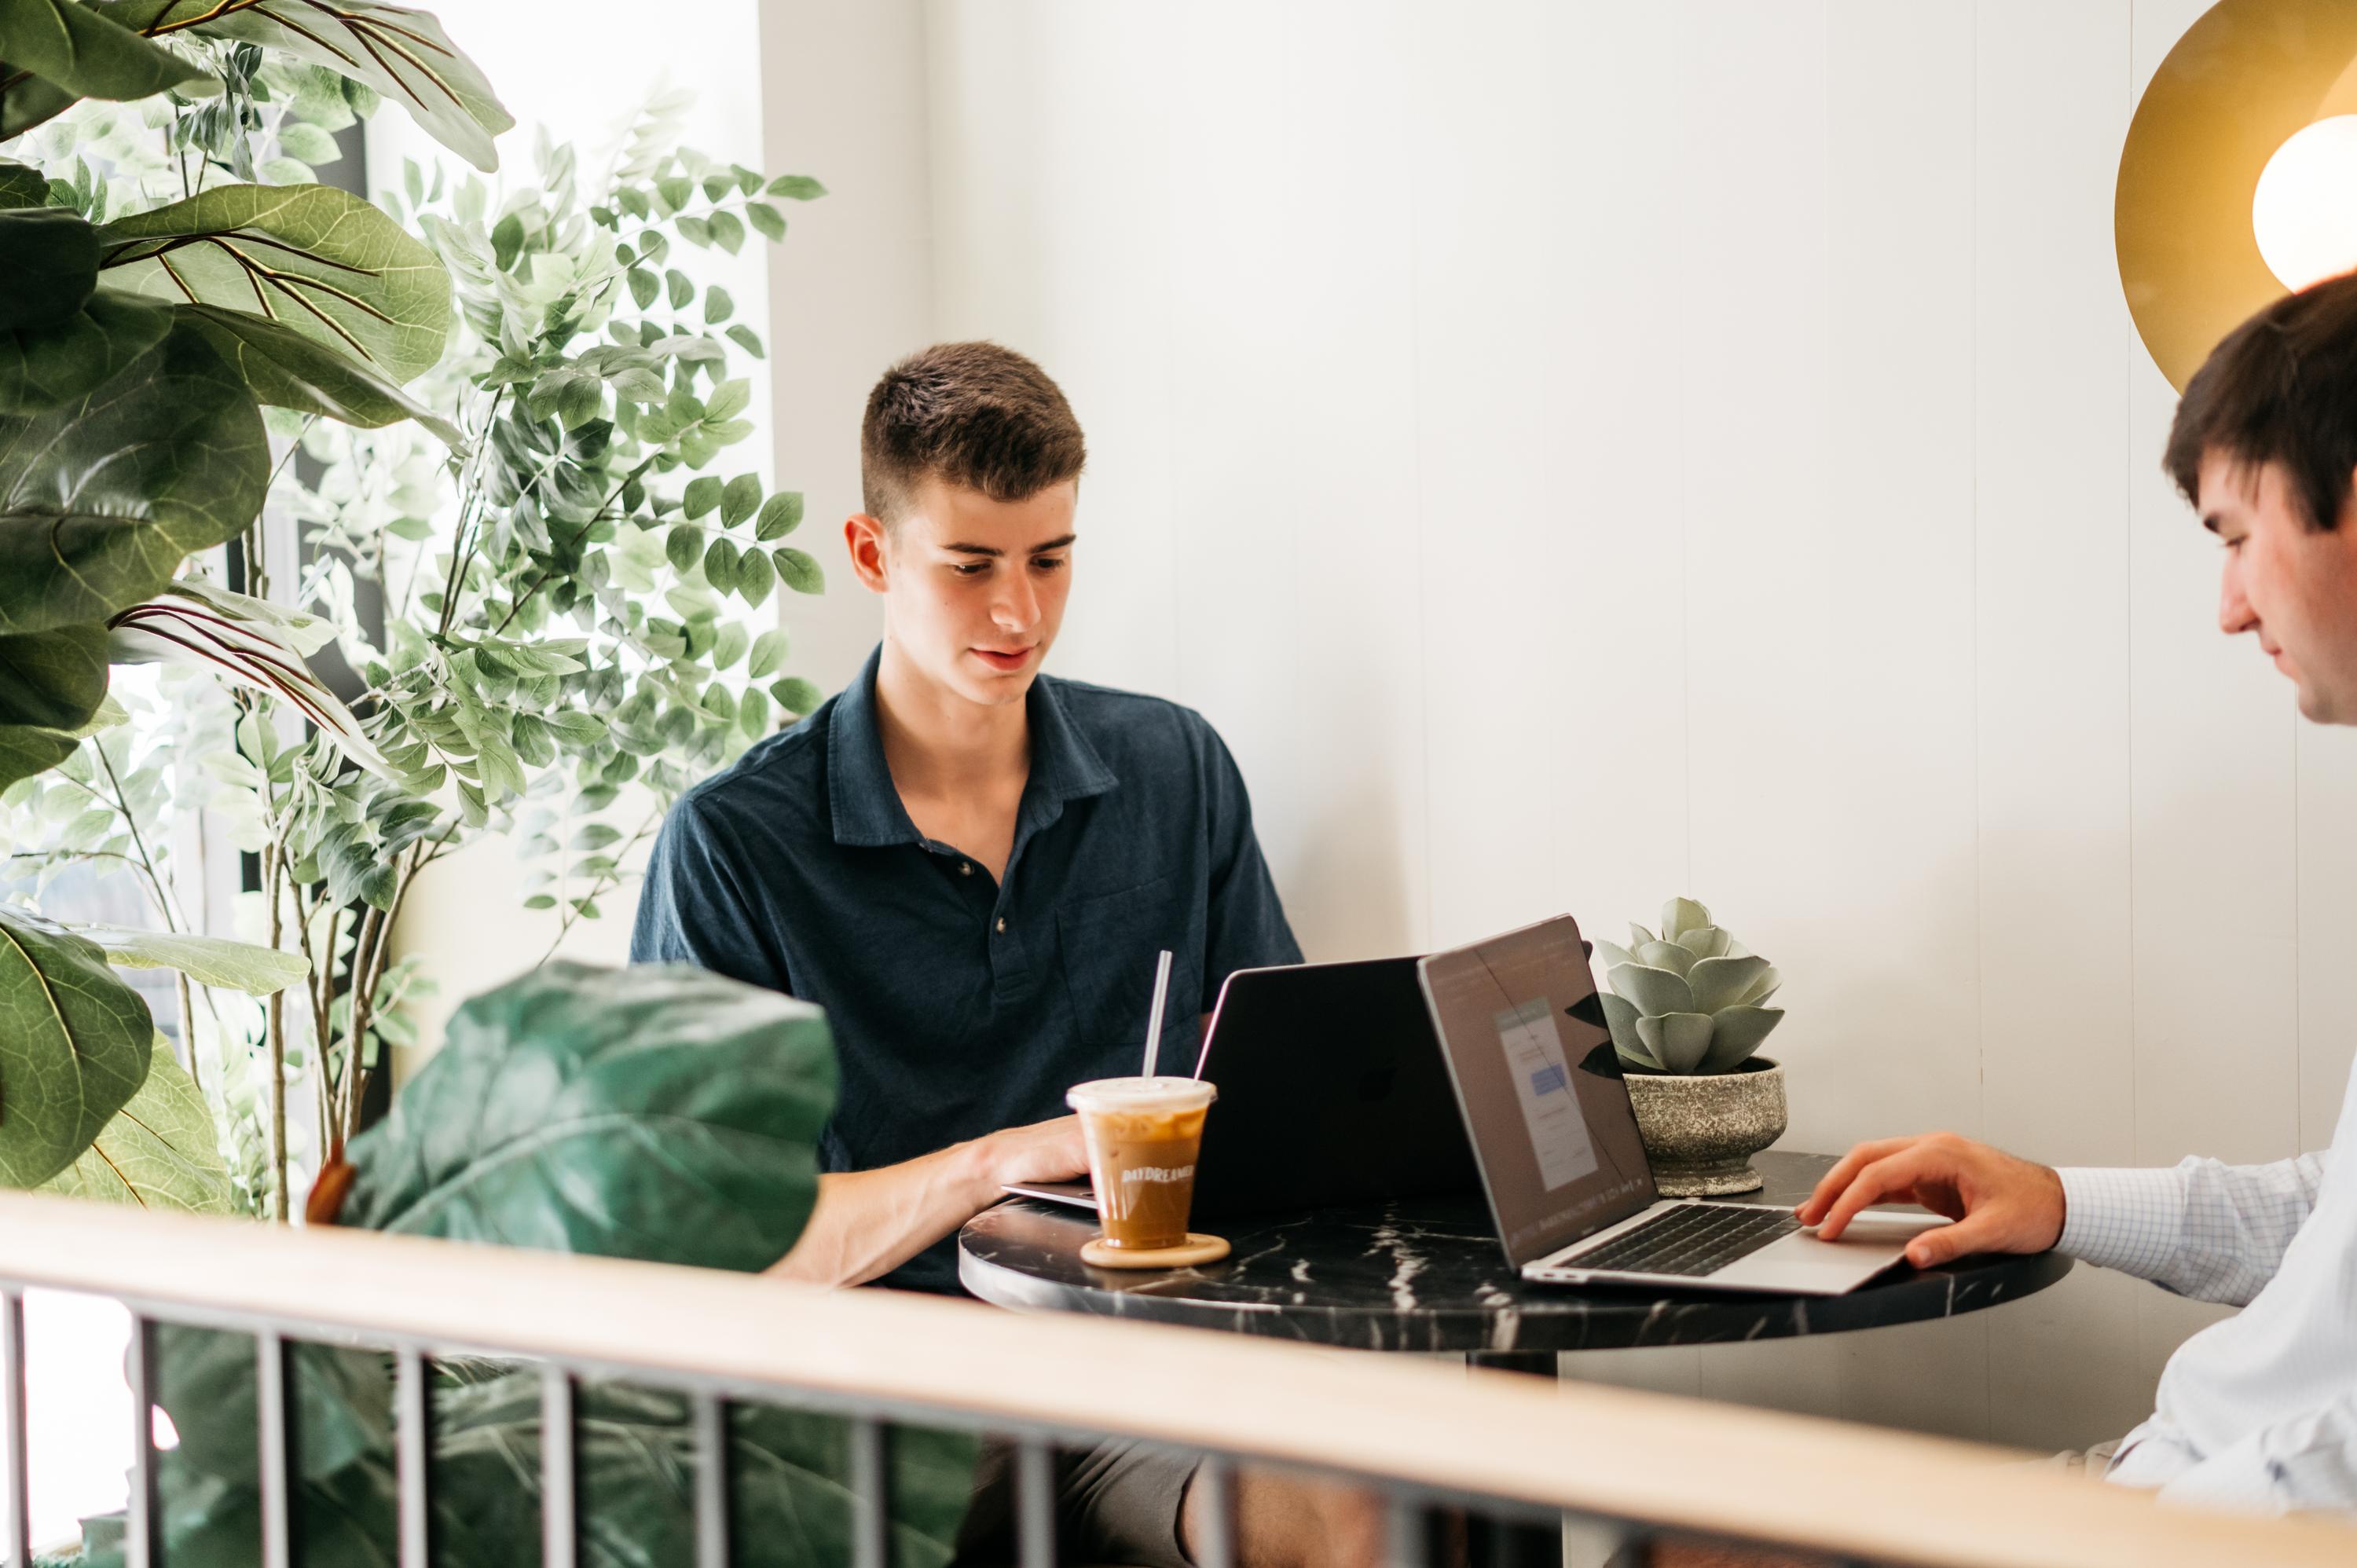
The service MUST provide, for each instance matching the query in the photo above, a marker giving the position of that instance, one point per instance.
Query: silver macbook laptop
(1532, 1059)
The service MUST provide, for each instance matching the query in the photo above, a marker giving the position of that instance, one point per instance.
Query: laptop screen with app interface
(1533, 1062)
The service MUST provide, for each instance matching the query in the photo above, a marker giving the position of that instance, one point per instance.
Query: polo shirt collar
(864, 806)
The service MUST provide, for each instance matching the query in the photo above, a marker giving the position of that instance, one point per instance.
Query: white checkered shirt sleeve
(2213, 1231)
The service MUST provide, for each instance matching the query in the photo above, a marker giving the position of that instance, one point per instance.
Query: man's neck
(938, 743)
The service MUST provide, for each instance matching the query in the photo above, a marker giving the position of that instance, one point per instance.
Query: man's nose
(1018, 606)
(2234, 613)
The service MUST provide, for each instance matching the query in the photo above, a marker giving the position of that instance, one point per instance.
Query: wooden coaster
(1196, 1249)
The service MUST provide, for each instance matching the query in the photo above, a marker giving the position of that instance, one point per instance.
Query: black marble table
(1427, 1274)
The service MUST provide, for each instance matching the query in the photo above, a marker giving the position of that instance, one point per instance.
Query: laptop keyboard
(1693, 1238)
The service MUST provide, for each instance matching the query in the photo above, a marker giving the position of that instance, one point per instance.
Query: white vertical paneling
(1065, 254)
(2328, 926)
(1494, 552)
(1609, 166)
(1893, 1028)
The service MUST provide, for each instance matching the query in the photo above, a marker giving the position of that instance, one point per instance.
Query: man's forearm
(868, 1223)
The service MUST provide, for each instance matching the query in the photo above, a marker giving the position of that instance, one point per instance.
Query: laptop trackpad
(1803, 1265)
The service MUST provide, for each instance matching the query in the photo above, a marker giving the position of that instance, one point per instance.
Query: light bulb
(2304, 212)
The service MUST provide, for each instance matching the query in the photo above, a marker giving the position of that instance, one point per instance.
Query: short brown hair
(2282, 388)
(974, 415)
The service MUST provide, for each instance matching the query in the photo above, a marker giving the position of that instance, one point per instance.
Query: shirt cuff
(2132, 1220)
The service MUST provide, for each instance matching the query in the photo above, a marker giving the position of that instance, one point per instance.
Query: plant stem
(187, 1028)
(540, 578)
(122, 803)
(572, 911)
(278, 1195)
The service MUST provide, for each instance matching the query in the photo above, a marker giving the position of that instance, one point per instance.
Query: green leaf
(781, 515)
(249, 967)
(754, 577)
(744, 492)
(796, 188)
(683, 292)
(507, 238)
(1721, 983)
(29, 103)
(797, 695)
(767, 219)
(596, 835)
(74, 1046)
(286, 369)
(401, 53)
(768, 651)
(729, 646)
(744, 338)
(322, 260)
(310, 143)
(159, 1152)
(720, 565)
(728, 232)
(798, 572)
(701, 496)
(577, 728)
(1736, 1033)
(101, 498)
(683, 546)
(1654, 991)
(82, 51)
(532, 1125)
(728, 400)
(22, 187)
(1678, 1041)
(45, 368)
(53, 679)
(29, 749)
(1621, 1015)
(675, 190)
(644, 286)
(49, 263)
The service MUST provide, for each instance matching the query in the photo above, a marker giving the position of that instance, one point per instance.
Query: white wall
(1578, 454)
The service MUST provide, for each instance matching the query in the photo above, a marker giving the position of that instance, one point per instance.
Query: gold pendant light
(2243, 80)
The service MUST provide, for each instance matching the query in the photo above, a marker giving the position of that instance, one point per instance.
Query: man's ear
(864, 536)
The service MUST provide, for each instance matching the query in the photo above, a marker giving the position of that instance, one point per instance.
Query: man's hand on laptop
(1999, 1204)
(1045, 1151)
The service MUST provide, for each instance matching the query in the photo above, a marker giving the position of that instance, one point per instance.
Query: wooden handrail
(1650, 1458)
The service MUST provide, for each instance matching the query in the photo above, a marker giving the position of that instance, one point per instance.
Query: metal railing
(1431, 1440)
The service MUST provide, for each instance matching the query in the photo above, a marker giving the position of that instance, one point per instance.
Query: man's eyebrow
(992, 552)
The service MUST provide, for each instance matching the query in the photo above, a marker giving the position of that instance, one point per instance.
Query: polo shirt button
(965, 868)
(1002, 925)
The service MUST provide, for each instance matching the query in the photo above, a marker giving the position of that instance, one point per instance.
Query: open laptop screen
(1533, 1062)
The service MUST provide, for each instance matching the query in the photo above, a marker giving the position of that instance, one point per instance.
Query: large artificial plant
(487, 412)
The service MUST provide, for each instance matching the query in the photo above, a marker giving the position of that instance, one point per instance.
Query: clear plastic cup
(1143, 1134)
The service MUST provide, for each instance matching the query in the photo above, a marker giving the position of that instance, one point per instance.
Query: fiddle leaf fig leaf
(100, 500)
(74, 1046)
(322, 260)
(53, 679)
(27, 749)
(403, 54)
(22, 187)
(286, 369)
(49, 263)
(44, 368)
(159, 1152)
(532, 1125)
(84, 52)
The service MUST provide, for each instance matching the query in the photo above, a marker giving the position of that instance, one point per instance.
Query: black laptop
(1333, 1090)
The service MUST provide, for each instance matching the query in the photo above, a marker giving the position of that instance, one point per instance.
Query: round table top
(1429, 1274)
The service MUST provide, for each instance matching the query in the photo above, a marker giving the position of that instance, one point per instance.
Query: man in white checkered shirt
(2258, 1411)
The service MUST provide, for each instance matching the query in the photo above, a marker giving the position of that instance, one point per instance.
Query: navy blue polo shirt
(960, 1004)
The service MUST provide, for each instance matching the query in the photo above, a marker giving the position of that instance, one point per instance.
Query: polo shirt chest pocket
(1109, 946)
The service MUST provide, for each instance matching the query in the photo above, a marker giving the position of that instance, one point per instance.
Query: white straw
(1154, 1020)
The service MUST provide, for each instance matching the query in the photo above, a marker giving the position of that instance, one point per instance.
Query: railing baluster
(1035, 1504)
(1215, 1482)
(870, 1502)
(144, 1529)
(412, 1415)
(1407, 1541)
(275, 1402)
(560, 1512)
(13, 1430)
(710, 1481)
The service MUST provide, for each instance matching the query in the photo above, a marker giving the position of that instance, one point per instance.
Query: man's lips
(999, 660)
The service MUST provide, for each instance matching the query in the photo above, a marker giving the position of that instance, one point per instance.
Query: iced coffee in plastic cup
(1142, 1134)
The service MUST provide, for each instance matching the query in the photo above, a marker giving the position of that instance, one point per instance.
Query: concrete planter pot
(1701, 1132)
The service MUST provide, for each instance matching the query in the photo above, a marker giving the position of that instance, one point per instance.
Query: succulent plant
(1690, 1000)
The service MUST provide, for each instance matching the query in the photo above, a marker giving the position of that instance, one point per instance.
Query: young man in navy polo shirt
(972, 865)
